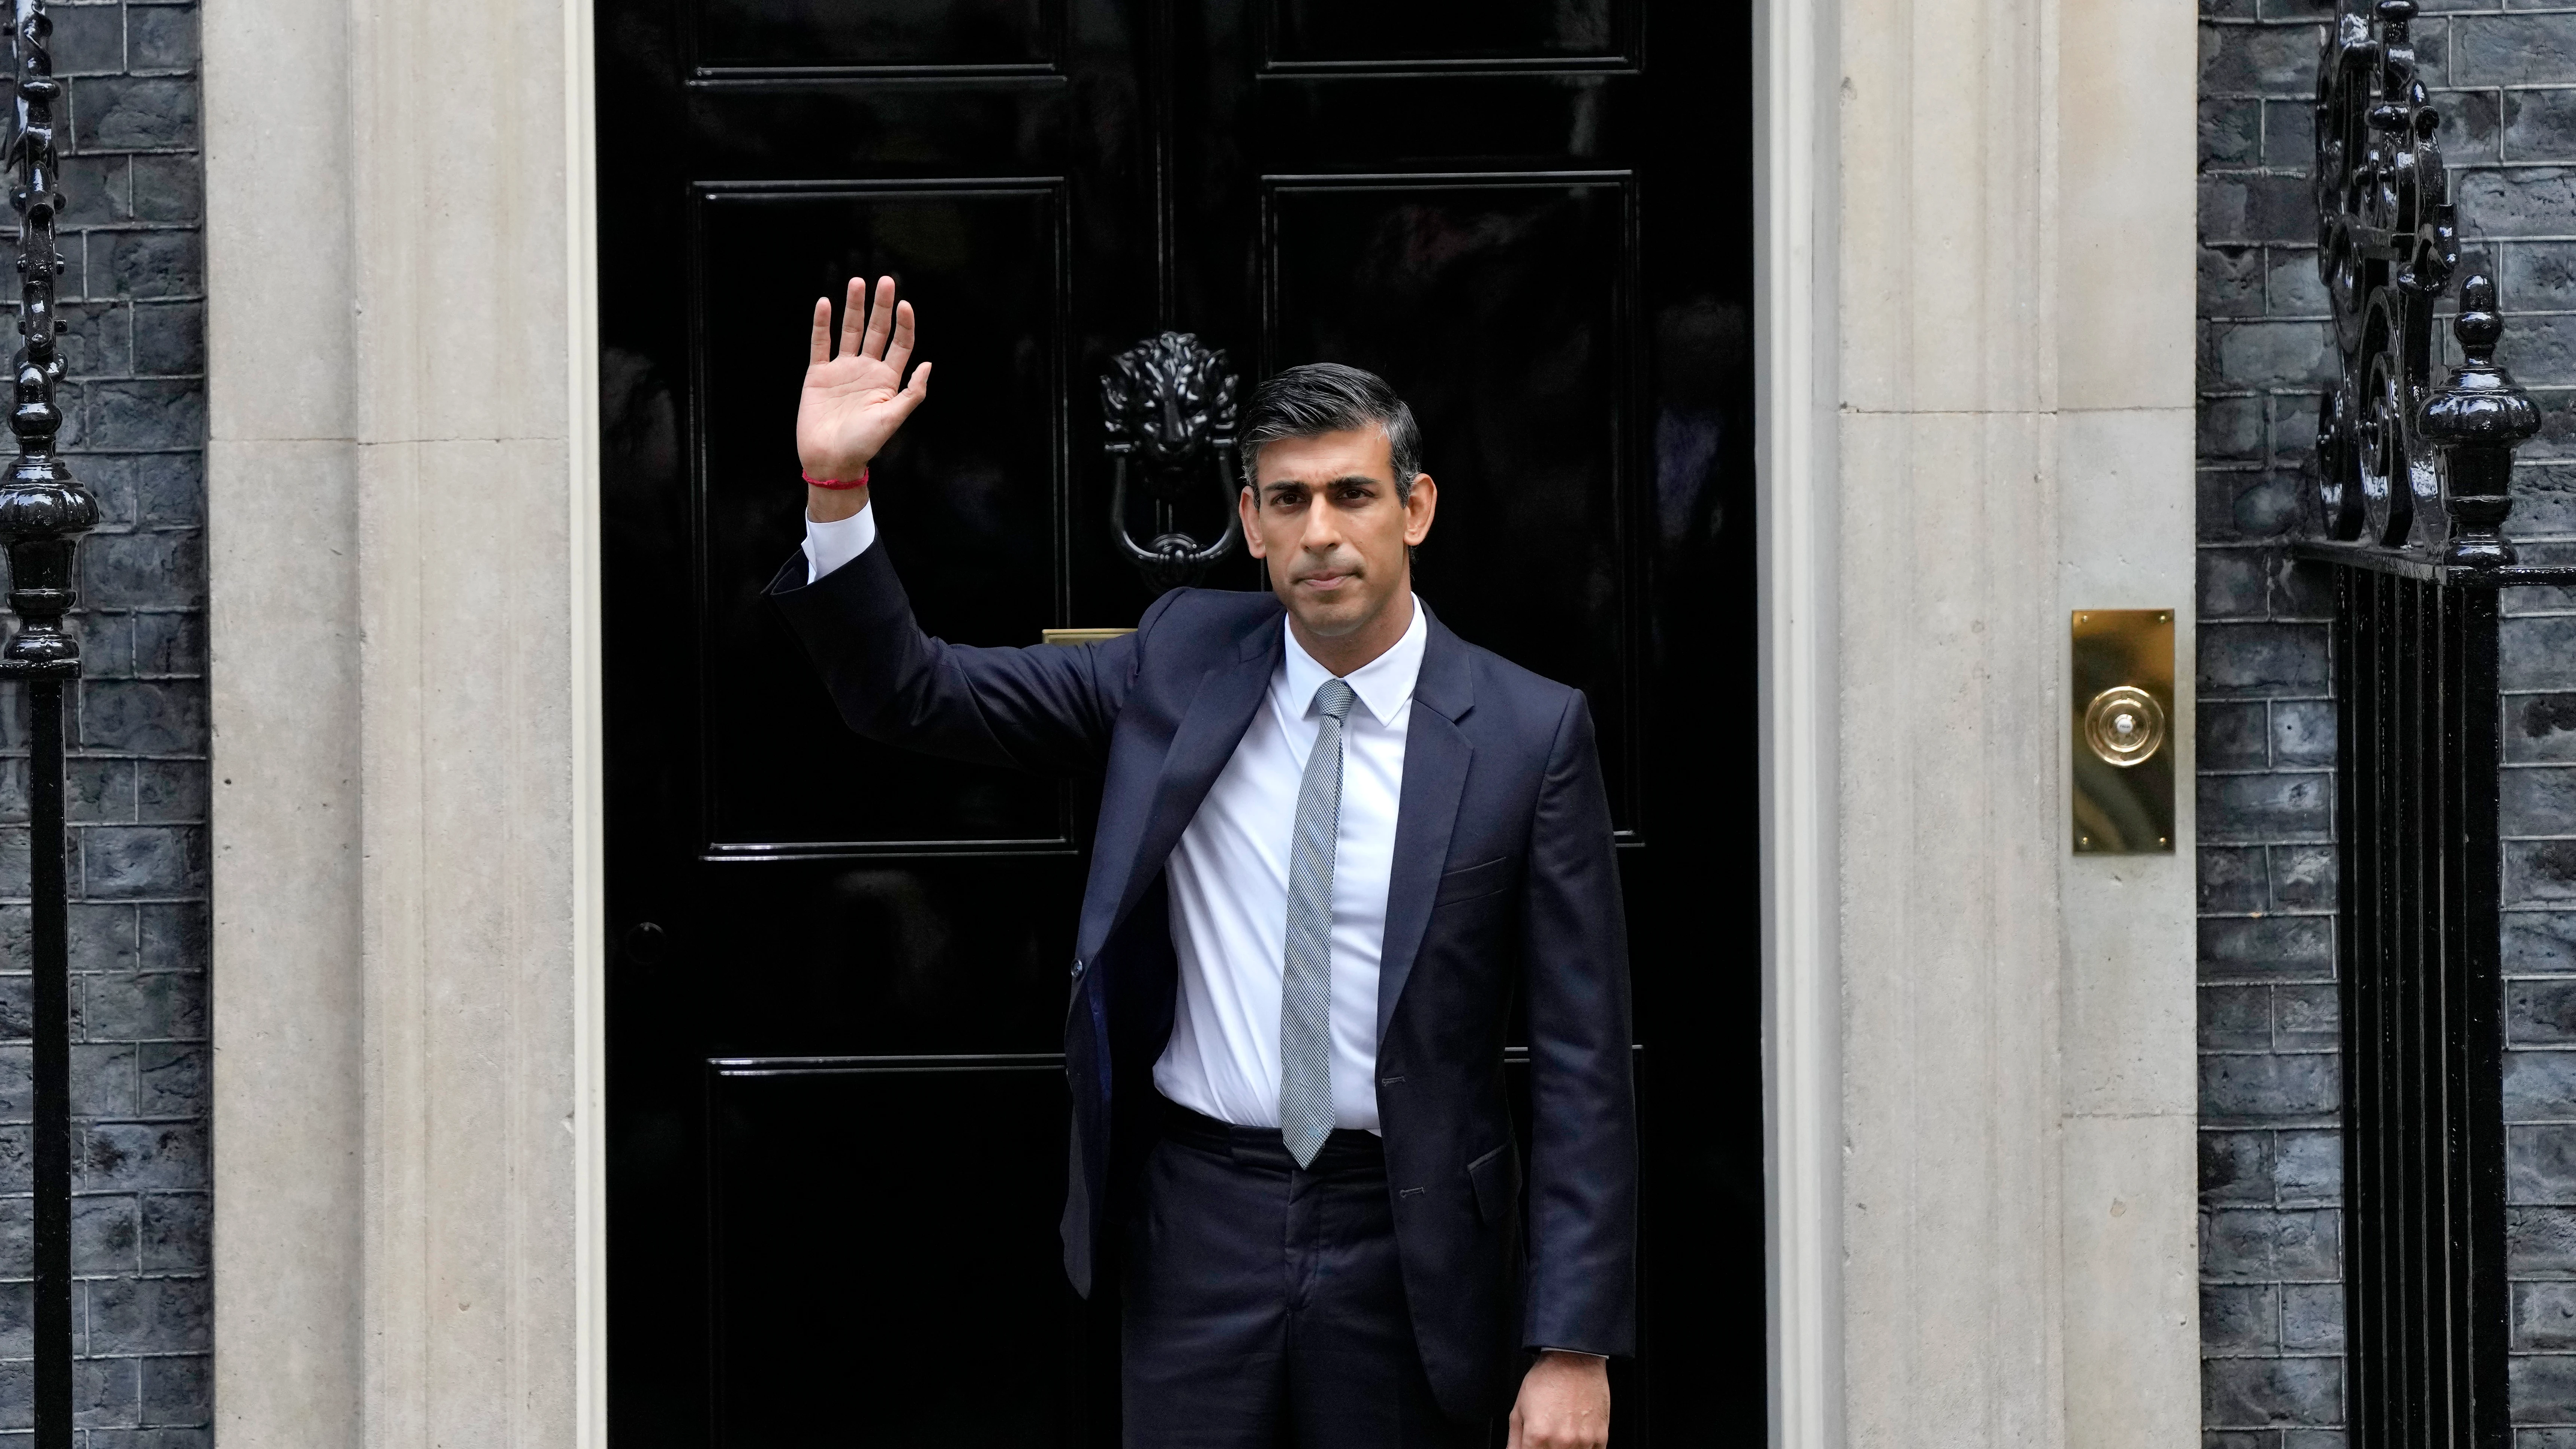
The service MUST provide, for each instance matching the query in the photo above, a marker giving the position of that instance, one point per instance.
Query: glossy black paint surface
(2410, 499)
(981, 539)
(44, 511)
(734, 35)
(836, 1139)
(2388, 245)
(2417, 952)
(960, 1229)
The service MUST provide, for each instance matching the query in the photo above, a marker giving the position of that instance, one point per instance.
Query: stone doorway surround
(1976, 224)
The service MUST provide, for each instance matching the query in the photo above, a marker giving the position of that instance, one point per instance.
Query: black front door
(836, 1147)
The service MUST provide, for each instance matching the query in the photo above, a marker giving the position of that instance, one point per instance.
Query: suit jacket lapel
(1202, 743)
(1436, 761)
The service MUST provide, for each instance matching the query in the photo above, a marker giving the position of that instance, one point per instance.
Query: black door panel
(1432, 32)
(729, 37)
(982, 548)
(836, 1145)
(811, 1161)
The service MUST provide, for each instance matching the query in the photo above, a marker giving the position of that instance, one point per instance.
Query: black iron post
(43, 513)
(2413, 488)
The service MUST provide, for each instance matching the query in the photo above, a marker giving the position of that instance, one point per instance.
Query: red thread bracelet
(839, 485)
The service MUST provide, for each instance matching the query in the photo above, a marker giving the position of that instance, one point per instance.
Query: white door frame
(1795, 392)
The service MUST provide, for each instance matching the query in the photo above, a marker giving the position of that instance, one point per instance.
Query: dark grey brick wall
(2505, 79)
(2271, 1164)
(135, 410)
(2515, 126)
(2539, 820)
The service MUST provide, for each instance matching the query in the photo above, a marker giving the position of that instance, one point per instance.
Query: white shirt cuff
(830, 545)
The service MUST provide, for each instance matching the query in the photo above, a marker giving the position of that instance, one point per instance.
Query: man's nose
(1323, 533)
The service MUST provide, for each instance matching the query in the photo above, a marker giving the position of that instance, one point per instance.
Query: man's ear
(1419, 505)
(1249, 506)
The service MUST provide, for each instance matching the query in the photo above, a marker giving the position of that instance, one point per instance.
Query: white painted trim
(589, 800)
(1796, 388)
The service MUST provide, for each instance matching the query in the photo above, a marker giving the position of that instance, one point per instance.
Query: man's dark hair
(1316, 398)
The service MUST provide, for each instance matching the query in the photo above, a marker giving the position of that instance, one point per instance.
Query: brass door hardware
(1081, 636)
(2121, 687)
(2124, 725)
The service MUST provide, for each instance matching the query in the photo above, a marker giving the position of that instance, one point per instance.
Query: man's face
(1324, 514)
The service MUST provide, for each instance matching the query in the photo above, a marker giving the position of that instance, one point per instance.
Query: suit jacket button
(1077, 966)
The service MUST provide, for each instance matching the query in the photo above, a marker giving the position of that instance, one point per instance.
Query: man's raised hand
(853, 403)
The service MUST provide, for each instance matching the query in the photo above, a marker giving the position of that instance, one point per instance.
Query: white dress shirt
(1229, 893)
(1229, 877)
(830, 545)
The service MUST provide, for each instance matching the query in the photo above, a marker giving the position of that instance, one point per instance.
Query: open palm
(854, 402)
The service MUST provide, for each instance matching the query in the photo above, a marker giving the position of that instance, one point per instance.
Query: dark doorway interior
(836, 1146)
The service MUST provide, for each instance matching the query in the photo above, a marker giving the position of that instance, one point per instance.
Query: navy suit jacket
(1504, 881)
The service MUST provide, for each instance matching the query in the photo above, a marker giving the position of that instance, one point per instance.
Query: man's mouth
(1325, 583)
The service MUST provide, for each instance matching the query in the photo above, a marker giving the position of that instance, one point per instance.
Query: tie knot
(1333, 698)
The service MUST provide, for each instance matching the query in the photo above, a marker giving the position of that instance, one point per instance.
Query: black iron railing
(2411, 496)
(2418, 926)
(43, 513)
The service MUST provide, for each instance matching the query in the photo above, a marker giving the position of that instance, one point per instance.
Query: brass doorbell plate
(2121, 688)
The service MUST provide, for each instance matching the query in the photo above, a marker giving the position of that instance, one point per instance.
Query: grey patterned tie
(1306, 986)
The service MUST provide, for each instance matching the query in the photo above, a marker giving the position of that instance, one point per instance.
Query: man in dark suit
(1334, 840)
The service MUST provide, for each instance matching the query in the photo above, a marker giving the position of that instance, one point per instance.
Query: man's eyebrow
(1289, 485)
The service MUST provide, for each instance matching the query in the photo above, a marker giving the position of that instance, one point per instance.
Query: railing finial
(2474, 423)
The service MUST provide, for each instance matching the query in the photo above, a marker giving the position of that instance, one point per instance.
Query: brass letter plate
(1082, 636)
(2123, 697)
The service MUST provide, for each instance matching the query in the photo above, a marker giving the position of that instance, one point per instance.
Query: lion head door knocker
(1167, 408)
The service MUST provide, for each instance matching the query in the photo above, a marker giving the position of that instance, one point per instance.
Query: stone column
(404, 514)
(1978, 421)
(282, 563)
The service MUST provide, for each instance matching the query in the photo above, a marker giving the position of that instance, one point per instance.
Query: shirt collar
(1383, 684)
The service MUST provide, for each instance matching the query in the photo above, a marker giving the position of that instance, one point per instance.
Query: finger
(818, 348)
(901, 351)
(880, 319)
(854, 313)
(1513, 1439)
(903, 403)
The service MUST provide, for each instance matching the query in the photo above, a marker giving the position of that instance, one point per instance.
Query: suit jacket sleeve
(1583, 1157)
(1045, 708)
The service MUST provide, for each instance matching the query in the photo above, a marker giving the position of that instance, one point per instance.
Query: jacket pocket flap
(1496, 1176)
(1481, 879)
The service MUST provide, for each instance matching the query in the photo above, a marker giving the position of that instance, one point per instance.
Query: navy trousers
(1264, 1306)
